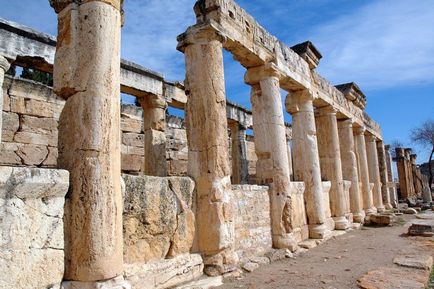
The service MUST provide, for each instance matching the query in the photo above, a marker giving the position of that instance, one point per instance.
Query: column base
(359, 217)
(370, 211)
(341, 223)
(115, 283)
(285, 242)
(319, 231)
(381, 209)
(388, 206)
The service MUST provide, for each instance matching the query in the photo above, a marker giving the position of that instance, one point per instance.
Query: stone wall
(31, 226)
(252, 220)
(30, 118)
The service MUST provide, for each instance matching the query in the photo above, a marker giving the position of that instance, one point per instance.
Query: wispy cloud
(384, 44)
(149, 34)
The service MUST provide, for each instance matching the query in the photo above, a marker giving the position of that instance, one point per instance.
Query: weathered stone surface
(203, 283)
(31, 222)
(250, 266)
(423, 262)
(374, 171)
(410, 211)
(394, 278)
(421, 227)
(158, 219)
(382, 219)
(115, 283)
(308, 244)
(4, 66)
(164, 273)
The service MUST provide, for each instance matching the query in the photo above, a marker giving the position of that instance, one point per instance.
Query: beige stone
(424, 262)
(4, 66)
(384, 177)
(374, 171)
(240, 163)
(207, 133)
(362, 159)
(330, 161)
(87, 75)
(350, 168)
(272, 167)
(306, 160)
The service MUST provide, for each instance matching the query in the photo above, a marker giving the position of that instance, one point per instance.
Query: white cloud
(383, 44)
(149, 34)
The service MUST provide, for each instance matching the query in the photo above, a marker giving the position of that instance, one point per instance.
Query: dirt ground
(336, 264)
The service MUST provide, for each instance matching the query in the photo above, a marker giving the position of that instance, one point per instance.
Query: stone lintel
(200, 33)
(353, 93)
(309, 53)
(59, 5)
(256, 74)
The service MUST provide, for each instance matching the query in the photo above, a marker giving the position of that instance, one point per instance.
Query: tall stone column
(288, 144)
(411, 188)
(368, 203)
(417, 178)
(403, 173)
(306, 160)
(384, 178)
(374, 170)
(154, 126)
(240, 164)
(392, 187)
(208, 156)
(330, 161)
(4, 67)
(87, 76)
(350, 168)
(271, 148)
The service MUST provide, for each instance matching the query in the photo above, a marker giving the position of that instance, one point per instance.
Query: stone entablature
(253, 46)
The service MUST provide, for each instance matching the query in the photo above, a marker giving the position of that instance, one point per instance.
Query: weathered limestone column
(87, 76)
(411, 188)
(401, 164)
(240, 164)
(271, 149)
(154, 126)
(392, 186)
(288, 144)
(208, 156)
(350, 168)
(417, 179)
(4, 67)
(368, 203)
(330, 161)
(374, 170)
(306, 160)
(384, 178)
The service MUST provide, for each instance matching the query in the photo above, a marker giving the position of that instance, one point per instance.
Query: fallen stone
(203, 283)
(382, 219)
(411, 201)
(425, 216)
(357, 226)
(394, 278)
(421, 228)
(410, 211)
(250, 266)
(276, 255)
(260, 260)
(423, 262)
(308, 244)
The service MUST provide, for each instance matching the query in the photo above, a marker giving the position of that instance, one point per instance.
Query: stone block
(131, 124)
(133, 139)
(11, 121)
(27, 137)
(308, 244)
(393, 278)
(164, 273)
(250, 266)
(423, 262)
(410, 211)
(39, 125)
(421, 228)
(382, 219)
(35, 107)
(132, 163)
(115, 283)
(31, 222)
(32, 155)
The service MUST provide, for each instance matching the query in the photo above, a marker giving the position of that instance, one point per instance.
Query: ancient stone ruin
(95, 194)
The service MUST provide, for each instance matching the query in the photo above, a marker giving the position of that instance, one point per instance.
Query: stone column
(417, 178)
(374, 170)
(403, 173)
(208, 156)
(392, 187)
(384, 178)
(330, 161)
(288, 144)
(154, 126)
(368, 203)
(271, 148)
(410, 182)
(306, 160)
(4, 67)
(350, 168)
(87, 76)
(240, 164)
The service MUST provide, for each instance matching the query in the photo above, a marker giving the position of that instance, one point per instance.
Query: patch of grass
(431, 280)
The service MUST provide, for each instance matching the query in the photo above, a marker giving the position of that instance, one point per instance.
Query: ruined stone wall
(252, 220)
(30, 119)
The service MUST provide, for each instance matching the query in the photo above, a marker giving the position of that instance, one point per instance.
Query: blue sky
(386, 46)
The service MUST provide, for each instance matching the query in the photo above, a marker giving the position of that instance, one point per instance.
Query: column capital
(346, 123)
(296, 99)
(200, 34)
(371, 137)
(4, 63)
(59, 5)
(387, 148)
(255, 74)
(153, 101)
(359, 130)
(326, 110)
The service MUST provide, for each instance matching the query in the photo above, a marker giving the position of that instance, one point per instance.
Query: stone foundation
(31, 225)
